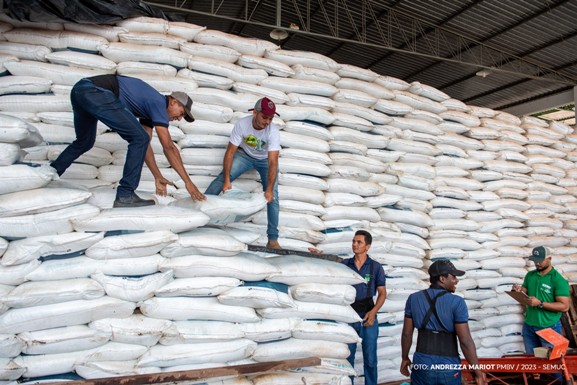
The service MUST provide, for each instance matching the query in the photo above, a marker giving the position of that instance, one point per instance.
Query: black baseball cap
(444, 266)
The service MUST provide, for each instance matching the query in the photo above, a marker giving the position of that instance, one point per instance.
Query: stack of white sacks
(107, 292)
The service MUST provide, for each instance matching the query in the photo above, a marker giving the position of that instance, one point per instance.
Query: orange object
(560, 343)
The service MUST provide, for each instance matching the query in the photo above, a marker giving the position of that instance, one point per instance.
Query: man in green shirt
(548, 297)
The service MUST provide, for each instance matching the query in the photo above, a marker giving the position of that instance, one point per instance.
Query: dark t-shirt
(140, 98)
(377, 280)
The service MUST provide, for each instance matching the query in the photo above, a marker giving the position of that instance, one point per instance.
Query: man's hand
(516, 287)
(226, 186)
(369, 318)
(269, 196)
(161, 185)
(533, 301)
(194, 193)
(315, 251)
(405, 363)
(480, 378)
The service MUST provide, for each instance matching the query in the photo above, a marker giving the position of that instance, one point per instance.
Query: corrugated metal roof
(418, 40)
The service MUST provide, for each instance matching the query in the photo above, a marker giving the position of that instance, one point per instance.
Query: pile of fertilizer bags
(89, 291)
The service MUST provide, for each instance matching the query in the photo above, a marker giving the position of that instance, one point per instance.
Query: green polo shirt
(545, 288)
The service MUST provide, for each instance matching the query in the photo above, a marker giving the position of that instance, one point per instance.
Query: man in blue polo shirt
(440, 318)
(374, 275)
(119, 102)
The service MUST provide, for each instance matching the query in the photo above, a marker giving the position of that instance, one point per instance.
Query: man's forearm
(151, 163)
(555, 306)
(175, 160)
(381, 297)
(227, 165)
(272, 173)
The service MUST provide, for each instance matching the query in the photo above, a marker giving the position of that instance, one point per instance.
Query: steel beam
(418, 37)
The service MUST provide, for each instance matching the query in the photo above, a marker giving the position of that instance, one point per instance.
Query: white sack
(136, 329)
(146, 218)
(232, 206)
(207, 308)
(63, 340)
(295, 269)
(296, 348)
(245, 267)
(205, 241)
(53, 222)
(185, 354)
(63, 314)
(191, 332)
(197, 287)
(130, 245)
(133, 289)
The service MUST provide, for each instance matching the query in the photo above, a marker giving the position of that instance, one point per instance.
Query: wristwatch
(540, 306)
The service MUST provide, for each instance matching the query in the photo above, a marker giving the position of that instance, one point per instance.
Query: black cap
(442, 267)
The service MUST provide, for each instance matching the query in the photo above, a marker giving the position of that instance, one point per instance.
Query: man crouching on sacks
(368, 329)
(131, 108)
(440, 318)
(254, 144)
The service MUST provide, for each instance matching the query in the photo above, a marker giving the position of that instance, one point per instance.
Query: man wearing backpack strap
(441, 319)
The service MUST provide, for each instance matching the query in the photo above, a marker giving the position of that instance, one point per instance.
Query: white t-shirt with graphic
(256, 143)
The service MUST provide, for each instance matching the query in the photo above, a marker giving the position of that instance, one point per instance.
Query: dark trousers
(91, 104)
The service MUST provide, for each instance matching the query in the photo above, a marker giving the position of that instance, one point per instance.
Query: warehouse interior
(428, 193)
(513, 56)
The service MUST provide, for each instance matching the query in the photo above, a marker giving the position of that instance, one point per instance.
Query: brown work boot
(273, 244)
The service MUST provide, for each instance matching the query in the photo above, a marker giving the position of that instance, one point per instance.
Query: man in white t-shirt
(259, 142)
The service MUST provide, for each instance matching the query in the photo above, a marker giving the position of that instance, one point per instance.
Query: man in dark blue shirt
(119, 102)
(374, 275)
(440, 317)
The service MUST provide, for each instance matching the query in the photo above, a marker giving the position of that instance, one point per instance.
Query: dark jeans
(91, 104)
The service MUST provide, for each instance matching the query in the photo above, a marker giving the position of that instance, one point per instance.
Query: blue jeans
(532, 340)
(435, 377)
(369, 335)
(91, 104)
(242, 163)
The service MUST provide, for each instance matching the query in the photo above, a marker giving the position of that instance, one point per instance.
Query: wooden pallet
(569, 319)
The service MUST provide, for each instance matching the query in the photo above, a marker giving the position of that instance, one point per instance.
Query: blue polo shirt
(377, 280)
(451, 309)
(143, 101)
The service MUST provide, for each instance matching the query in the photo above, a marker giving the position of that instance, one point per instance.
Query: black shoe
(132, 201)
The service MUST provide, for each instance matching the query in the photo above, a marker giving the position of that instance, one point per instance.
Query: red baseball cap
(266, 106)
